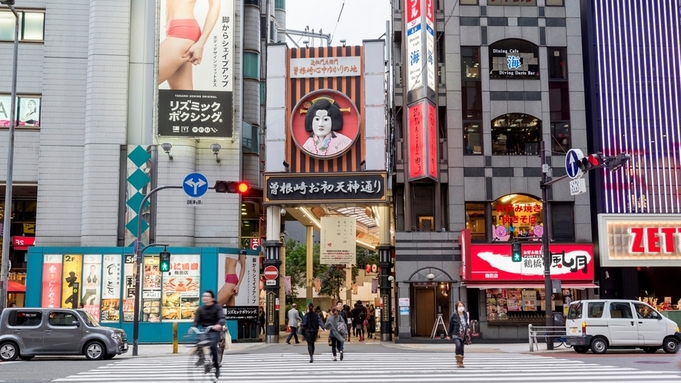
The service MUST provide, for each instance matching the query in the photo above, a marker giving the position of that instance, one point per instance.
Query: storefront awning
(15, 287)
(566, 285)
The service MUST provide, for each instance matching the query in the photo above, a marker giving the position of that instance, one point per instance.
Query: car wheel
(94, 350)
(109, 356)
(599, 346)
(650, 350)
(8, 351)
(26, 357)
(670, 345)
(581, 349)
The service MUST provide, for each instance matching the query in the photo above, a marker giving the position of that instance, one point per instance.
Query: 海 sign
(514, 59)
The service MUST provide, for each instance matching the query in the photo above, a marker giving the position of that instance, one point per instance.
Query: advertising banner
(337, 238)
(414, 46)
(430, 43)
(91, 282)
(71, 282)
(493, 263)
(151, 290)
(195, 68)
(422, 141)
(27, 113)
(529, 300)
(358, 187)
(181, 288)
(238, 280)
(514, 59)
(52, 266)
(129, 289)
(111, 288)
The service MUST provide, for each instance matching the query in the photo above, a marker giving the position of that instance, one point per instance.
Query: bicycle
(558, 340)
(200, 368)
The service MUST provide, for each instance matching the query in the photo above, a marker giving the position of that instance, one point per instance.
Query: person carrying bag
(460, 331)
(310, 328)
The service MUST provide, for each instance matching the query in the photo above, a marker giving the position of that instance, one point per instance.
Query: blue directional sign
(572, 161)
(195, 185)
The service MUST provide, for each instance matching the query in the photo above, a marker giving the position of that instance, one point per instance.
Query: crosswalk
(377, 367)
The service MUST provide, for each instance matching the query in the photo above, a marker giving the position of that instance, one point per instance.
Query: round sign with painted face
(325, 124)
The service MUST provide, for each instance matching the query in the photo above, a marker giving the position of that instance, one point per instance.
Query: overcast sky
(360, 19)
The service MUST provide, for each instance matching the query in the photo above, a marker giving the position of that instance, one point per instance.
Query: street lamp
(7, 223)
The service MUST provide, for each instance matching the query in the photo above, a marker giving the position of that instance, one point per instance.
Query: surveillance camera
(430, 276)
(215, 148)
(166, 146)
(282, 211)
(391, 278)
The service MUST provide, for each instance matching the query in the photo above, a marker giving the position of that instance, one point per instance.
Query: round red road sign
(271, 272)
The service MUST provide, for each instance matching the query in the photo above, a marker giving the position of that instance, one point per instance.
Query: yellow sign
(29, 228)
(71, 280)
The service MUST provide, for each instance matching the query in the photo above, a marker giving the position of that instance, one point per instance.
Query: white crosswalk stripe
(383, 367)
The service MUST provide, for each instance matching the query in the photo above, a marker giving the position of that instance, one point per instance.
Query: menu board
(529, 300)
(151, 290)
(181, 288)
(514, 300)
(497, 305)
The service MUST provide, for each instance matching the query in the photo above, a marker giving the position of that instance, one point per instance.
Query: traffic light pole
(139, 251)
(545, 243)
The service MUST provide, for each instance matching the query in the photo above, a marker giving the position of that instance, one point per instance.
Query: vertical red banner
(416, 139)
(432, 142)
(51, 291)
(413, 11)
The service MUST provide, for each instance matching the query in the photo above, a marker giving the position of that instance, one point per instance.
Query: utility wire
(337, 21)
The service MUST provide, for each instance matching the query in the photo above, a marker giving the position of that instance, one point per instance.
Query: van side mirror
(75, 323)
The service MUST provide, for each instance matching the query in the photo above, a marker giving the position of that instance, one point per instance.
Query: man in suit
(293, 320)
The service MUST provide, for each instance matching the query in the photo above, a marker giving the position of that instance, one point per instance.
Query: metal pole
(138, 262)
(7, 223)
(545, 245)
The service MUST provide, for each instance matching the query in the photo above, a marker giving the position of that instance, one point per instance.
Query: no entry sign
(271, 273)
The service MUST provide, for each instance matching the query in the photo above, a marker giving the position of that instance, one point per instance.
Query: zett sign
(635, 240)
(493, 263)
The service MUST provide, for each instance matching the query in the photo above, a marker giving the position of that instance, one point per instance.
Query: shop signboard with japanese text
(52, 268)
(91, 282)
(195, 94)
(493, 263)
(181, 288)
(238, 284)
(414, 46)
(71, 281)
(111, 288)
(422, 141)
(337, 240)
(357, 187)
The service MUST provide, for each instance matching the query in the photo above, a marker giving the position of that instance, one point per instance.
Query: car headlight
(677, 329)
(116, 336)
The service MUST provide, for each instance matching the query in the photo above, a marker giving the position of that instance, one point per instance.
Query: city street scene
(370, 191)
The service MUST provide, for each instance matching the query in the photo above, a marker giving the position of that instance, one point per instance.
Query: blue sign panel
(572, 160)
(195, 185)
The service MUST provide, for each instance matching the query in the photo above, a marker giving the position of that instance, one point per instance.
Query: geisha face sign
(493, 263)
(325, 124)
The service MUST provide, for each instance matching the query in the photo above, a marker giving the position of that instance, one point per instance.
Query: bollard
(174, 337)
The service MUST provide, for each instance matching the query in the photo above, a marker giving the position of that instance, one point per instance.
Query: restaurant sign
(634, 240)
(353, 187)
(493, 263)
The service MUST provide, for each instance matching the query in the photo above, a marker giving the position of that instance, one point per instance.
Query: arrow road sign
(572, 161)
(195, 185)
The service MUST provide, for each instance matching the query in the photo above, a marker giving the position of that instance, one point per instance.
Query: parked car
(27, 332)
(619, 323)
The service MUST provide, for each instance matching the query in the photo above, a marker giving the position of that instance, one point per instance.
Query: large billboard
(195, 68)
(422, 141)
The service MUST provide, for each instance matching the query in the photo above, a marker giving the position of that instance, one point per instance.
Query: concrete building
(88, 144)
(479, 85)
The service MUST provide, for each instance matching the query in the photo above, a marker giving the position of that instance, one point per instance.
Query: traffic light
(516, 255)
(592, 161)
(617, 162)
(165, 262)
(232, 187)
(7, 2)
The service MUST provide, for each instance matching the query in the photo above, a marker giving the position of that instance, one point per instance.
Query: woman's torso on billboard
(231, 260)
(180, 9)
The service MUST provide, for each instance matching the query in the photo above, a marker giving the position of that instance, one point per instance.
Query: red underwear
(231, 278)
(184, 29)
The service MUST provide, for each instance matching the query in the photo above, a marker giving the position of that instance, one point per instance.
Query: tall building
(479, 86)
(118, 98)
(633, 104)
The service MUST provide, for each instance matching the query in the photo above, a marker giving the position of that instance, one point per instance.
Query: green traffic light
(165, 267)
(516, 255)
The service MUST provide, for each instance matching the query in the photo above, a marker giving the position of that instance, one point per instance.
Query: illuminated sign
(634, 240)
(414, 46)
(650, 130)
(323, 187)
(422, 141)
(514, 59)
(430, 43)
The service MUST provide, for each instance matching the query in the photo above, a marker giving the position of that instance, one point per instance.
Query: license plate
(125, 346)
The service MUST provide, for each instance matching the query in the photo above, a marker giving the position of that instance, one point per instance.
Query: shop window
(472, 100)
(562, 222)
(557, 63)
(62, 319)
(560, 136)
(470, 62)
(516, 134)
(249, 138)
(31, 25)
(472, 137)
(559, 100)
(517, 216)
(475, 221)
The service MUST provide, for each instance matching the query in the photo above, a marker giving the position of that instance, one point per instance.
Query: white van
(619, 323)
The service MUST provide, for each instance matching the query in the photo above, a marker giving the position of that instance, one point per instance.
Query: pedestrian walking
(338, 331)
(294, 320)
(371, 322)
(359, 314)
(459, 330)
(311, 325)
(261, 320)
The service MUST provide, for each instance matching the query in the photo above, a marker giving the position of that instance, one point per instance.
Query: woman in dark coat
(311, 324)
(458, 328)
